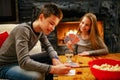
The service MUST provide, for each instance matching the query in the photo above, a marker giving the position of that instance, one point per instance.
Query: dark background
(107, 11)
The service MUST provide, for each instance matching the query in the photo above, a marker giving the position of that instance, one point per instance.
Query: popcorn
(107, 67)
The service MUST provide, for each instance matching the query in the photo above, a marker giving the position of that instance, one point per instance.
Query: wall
(8, 11)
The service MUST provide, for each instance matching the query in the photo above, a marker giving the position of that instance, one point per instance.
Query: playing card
(72, 37)
(74, 65)
(66, 39)
(71, 72)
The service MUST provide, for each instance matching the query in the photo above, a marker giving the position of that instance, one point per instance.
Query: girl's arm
(103, 50)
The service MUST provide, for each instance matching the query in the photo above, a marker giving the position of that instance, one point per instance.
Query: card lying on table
(71, 72)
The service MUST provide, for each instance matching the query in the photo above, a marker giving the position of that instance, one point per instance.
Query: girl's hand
(85, 53)
(69, 45)
(74, 38)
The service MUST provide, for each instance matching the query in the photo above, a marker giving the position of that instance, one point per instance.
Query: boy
(15, 61)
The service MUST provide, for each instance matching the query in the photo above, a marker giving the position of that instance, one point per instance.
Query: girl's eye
(86, 24)
(82, 22)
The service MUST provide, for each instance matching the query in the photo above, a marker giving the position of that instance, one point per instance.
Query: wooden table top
(83, 72)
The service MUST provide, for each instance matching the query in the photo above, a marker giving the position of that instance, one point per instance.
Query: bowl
(104, 74)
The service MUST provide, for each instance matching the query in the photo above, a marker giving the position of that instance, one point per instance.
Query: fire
(71, 32)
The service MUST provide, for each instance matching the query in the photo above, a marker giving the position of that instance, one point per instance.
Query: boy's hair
(49, 9)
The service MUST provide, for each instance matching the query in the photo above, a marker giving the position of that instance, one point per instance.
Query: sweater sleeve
(48, 47)
(22, 52)
(103, 50)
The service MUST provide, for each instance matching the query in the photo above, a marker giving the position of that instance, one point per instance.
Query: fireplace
(64, 27)
(62, 30)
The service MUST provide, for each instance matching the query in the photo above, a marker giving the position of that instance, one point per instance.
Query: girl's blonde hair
(93, 32)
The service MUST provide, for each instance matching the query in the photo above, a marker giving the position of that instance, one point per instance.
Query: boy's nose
(52, 28)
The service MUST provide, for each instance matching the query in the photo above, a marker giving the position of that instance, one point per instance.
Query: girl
(90, 42)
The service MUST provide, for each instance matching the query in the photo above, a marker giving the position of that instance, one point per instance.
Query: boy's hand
(60, 69)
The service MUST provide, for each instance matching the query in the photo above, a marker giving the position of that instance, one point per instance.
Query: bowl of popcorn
(105, 69)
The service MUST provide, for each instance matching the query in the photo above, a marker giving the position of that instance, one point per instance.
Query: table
(83, 72)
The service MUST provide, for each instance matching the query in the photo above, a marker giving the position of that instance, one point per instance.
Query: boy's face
(48, 24)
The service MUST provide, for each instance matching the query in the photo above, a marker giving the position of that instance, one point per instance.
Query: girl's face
(48, 24)
(85, 25)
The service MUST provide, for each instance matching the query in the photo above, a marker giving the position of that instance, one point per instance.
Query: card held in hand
(73, 38)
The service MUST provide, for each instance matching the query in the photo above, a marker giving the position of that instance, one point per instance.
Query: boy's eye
(51, 23)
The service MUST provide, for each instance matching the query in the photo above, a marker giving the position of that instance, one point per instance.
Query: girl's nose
(83, 25)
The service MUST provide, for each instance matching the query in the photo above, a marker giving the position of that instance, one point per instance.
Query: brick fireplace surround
(107, 11)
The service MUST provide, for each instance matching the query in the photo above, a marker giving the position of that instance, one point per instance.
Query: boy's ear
(41, 16)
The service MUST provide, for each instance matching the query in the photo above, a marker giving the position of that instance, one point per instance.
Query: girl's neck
(85, 36)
